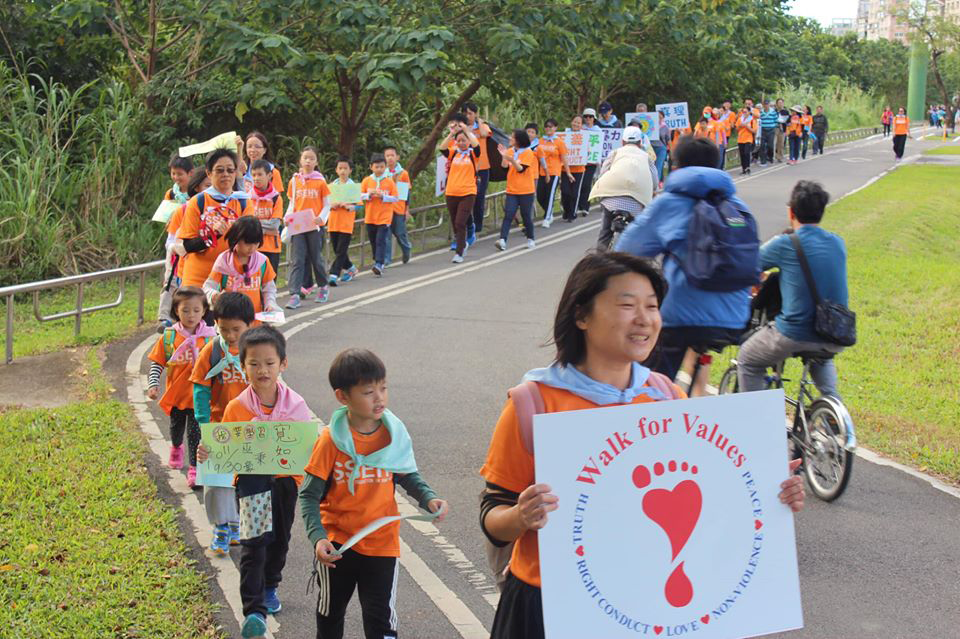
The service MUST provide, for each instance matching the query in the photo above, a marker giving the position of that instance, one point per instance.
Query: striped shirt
(769, 119)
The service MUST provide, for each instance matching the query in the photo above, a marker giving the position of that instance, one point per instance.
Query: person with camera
(824, 256)
(628, 179)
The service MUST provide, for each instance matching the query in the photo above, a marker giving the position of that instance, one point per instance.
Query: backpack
(169, 339)
(527, 402)
(722, 249)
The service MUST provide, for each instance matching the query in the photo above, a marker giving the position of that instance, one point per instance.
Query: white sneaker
(531, 244)
(457, 259)
(501, 244)
(466, 248)
(546, 224)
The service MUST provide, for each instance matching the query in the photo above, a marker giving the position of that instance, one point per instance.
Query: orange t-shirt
(224, 388)
(523, 183)
(309, 194)
(236, 283)
(176, 220)
(806, 121)
(462, 176)
(795, 126)
(266, 210)
(400, 206)
(237, 412)
(341, 218)
(344, 514)
(510, 466)
(746, 131)
(178, 392)
(376, 211)
(901, 125)
(482, 131)
(196, 266)
(553, 152)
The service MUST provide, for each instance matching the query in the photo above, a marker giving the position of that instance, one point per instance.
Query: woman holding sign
(608, 321)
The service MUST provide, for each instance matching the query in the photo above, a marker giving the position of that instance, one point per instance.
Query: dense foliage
(119, 84)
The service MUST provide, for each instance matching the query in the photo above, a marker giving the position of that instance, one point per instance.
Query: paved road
(882, 561)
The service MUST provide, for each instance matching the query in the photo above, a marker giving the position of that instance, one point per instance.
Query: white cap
(632, 134)
(592, 112)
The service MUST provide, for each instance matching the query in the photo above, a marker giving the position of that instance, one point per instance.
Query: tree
(940, 34)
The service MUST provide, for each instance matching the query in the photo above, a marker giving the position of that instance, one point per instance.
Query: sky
(824, 10)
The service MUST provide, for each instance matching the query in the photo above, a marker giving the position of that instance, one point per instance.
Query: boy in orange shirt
(358, 459)
(176, 351)
(342, 218)
(218, 378)
(380, 194)
(398, 225)
(197, 181)
(553, 152)
(266, 204)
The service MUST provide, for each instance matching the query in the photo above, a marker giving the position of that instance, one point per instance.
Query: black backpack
(723, 249)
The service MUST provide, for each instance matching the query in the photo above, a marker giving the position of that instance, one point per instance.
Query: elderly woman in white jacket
(627, 182)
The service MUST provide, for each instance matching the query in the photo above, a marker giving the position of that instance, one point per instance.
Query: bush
(845, 105)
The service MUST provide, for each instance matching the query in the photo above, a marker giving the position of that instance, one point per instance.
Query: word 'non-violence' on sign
(669, 522)
(258, 448)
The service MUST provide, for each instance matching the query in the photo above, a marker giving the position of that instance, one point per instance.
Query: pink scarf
(290, 406)
(312, 175)
(190, 340)
(268, 195)
(225, 264)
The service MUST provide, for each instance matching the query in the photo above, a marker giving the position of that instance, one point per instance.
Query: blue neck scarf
(226, 361)
(395, 457)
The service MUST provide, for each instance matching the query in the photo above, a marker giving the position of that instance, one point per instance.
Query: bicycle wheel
(729, 383)
(826, 461)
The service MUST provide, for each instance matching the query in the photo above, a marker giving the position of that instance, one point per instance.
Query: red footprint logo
(676, 512)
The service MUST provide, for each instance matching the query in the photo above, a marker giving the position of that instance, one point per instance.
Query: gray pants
(768, 347)
(220, 503)
(166, 297)
(778, 144)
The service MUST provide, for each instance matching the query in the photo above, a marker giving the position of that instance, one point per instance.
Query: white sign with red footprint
(669, 522)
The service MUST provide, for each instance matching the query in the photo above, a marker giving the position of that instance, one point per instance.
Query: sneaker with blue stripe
(221, 540)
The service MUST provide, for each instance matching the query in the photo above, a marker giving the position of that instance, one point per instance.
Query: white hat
(632, 134)
(591, 112)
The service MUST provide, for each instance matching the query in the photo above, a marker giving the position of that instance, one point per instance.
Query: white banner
(577, 147)
(669, 521)
(612, 140)
(441, 175)
(594, 146)
(677, 114)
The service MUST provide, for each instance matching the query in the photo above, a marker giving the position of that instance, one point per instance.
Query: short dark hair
(356, 366)
(459, 117)
(551, 122)
(532, 125)
(390, 147)
(346, 160)
(587, 280)
(177, 162)
(522, 138)
(808, 202)
(234, 306)
(264, 334)
(185, 293)
(696, 151)
(197, 177)
(261, 165)
(470, 106)
(377, 158)
(216, 154)
(246, 229)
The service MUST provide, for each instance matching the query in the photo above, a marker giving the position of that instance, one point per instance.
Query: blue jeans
(398, 228)
(661, 152)
(794, 147)
(510, 206)
(379, 236)
(307, 259)
(475, 225)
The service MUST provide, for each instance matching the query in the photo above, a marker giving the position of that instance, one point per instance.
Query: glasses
(224, 171)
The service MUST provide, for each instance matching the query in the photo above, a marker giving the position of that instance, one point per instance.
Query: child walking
(342, 218)
(398, 226)
(379, 192)
(176, 351)
(174, 250)
(308, 190)
(180, 170)
(349, 483)
(244, 269)
(264, 540)
(267, 206)
(218, 378)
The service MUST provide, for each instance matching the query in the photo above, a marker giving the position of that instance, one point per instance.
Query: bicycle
(822, 430)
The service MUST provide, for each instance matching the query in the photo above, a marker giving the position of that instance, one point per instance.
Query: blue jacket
(662, 229)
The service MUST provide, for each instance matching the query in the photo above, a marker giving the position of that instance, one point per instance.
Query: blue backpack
(723, 249)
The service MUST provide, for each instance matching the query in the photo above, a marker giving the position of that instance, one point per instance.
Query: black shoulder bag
(834, 322)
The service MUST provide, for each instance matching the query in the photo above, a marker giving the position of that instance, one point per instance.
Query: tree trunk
(426, 153)
(945, 97)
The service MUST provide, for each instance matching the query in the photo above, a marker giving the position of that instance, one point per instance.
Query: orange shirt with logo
(746, 131)
(462, 176)
(224, 387)
(400, 206)
(341, 218)
(806, 121)
(376, 211)
(197, 266)
(482, 131)
(178, 392)
(252, 289)
(342, 513)
(510, 466)
(237, 412)
(308, 194)
(525, 182)
(267, 210)
(901, 125)
(552, 151)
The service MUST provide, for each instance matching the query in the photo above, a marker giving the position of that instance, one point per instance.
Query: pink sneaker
(192, 477)
(176, 457)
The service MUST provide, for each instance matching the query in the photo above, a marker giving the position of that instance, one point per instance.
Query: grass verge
(903, 263)
(943, 150)
(87, 550)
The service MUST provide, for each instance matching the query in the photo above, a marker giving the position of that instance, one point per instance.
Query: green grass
(943, 150)
(899, 381)
(87, 550)
(939, 136)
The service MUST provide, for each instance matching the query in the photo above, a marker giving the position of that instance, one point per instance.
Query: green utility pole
(917, 87)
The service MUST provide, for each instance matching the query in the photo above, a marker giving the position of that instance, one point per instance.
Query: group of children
(231, 373)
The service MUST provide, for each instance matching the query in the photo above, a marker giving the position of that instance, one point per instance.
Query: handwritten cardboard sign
(165, 211)
(612, 140)
(345, 193)
(300, 221)
(669, 522)
(258, 448)
(577, 147)
(594, 146)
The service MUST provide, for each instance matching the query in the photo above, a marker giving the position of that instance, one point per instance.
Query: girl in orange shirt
(795, 134)
(806, 120)
(608, 320)
(521, 164)
(901, 129)
(244, 269)
(308, 191)
(176, 351)
(462, 177)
